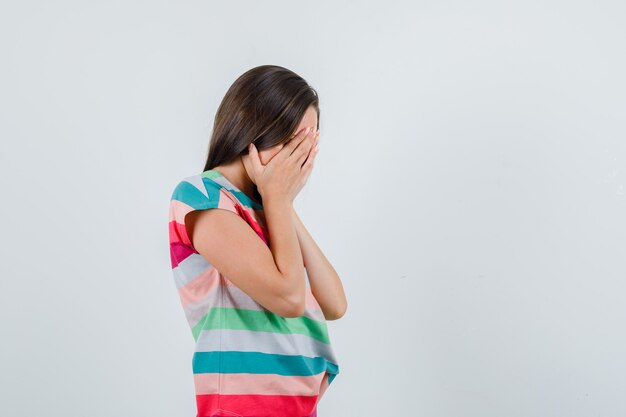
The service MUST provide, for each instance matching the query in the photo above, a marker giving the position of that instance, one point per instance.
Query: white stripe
(192, 266)
(196, 181)
(265, 342)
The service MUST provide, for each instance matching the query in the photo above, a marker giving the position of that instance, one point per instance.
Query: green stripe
(260, 321)
(210, 174)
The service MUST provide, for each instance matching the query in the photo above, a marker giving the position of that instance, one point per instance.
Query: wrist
(280, 201)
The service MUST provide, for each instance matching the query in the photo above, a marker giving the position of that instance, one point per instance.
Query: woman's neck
(236, 173)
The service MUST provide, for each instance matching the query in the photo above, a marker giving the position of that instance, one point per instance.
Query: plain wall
(469, 190)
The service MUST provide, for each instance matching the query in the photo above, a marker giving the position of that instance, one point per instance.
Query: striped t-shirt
(248, 361)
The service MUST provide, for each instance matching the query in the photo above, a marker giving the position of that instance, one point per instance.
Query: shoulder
(200, 192)
(191, 196)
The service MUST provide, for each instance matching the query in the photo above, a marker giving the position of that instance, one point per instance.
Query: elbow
(294, 308)
(337, 313)
(293, 305)
(290, 302)
(285, 308)
(293, 312)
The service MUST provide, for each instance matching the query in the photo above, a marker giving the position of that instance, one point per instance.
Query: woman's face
(309, 120)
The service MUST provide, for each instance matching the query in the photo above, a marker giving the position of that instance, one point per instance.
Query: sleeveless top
(248, 361)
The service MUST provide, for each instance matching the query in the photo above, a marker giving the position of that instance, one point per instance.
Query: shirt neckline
(231, 187)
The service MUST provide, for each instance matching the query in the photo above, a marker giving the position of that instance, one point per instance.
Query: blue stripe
(190, 195)
(233, 362)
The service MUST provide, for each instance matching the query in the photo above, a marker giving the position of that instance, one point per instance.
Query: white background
(469, 190)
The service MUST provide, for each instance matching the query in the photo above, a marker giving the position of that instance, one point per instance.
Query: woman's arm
(272, 275)
(325, 283)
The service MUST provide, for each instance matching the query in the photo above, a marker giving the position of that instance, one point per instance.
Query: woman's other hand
(287, 172)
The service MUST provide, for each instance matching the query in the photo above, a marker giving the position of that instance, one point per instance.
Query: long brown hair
(264, 105)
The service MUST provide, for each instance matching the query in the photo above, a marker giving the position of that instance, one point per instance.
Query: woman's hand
(287, 172)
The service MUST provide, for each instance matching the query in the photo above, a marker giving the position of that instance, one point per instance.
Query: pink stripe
(323, 386)
(178, 253)
(177, 233)
(271, 384)
(200, 287)
(178, 210)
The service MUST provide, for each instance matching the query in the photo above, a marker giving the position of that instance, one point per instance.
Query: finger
(313, 147)
(304, 148)
(308, 166)
(295, 142)
(310, 156)
(257, 166)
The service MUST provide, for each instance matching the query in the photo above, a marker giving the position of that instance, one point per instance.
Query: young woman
(255, 287)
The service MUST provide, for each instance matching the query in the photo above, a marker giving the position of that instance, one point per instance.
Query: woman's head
(266, 106)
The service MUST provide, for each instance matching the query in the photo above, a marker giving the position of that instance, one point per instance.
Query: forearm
(325, 283)
(284, 245)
